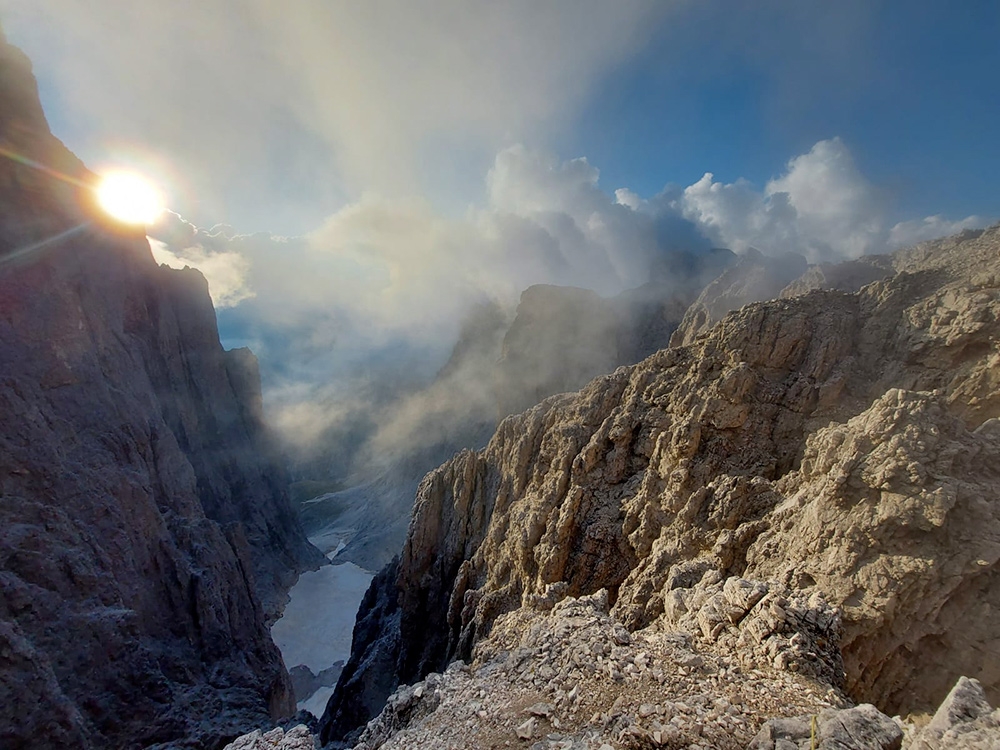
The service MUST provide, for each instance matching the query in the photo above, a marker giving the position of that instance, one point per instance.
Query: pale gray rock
(964, 721)
(296, 738)
(562, 678)
(863, 727)
(828, 444)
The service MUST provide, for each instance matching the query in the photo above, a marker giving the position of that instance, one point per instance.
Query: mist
(354, 322)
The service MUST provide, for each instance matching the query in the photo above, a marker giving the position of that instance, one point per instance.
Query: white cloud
(602, 243)
(907, 233)
(226, 272)
(822, 207)
(380, 290)
(399, 271)
(837, 210)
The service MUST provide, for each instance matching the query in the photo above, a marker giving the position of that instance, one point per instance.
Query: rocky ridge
(146, 536)
(751, 278)
(570, 677)
(837, 444)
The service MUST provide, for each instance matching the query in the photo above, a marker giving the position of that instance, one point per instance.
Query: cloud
(821, 206)
(352, 321)
(371, 302)
(907, 233)
(404, 272)
(226, 270)
(226, 273)
(293, 109)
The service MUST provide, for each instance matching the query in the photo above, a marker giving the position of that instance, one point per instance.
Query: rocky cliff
(146, 539)
(841, 444)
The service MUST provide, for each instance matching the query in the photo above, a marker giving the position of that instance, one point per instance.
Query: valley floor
(315, 629)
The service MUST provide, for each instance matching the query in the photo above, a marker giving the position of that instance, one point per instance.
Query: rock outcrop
(146, 538)
(568, 676)
(965, 721)
(863, 727)
(848, 276)
(834, 445)
(297, 738)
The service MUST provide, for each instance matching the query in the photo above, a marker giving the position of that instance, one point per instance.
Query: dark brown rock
(146, 538)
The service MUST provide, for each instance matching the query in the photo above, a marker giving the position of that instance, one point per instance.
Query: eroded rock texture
(838, 444)
(145, 537)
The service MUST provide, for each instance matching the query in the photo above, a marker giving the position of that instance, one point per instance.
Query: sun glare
(130, 198)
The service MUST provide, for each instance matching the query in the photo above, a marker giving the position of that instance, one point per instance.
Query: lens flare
(130, 198)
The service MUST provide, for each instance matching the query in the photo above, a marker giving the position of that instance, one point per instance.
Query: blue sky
(913, 88)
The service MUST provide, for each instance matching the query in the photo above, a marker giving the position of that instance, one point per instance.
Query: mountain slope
(842, 443)
(559, 339)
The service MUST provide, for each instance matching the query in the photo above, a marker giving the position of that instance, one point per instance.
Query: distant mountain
(559, 339)
(146, 536)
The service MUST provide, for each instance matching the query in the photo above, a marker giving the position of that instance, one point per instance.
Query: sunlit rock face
(146, 538)
(840, 443)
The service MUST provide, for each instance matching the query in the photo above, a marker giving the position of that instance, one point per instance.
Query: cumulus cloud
(822, 207)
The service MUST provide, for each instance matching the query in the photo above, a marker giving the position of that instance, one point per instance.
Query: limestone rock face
(903, 493)
(836, 445)
(297, 738)
(863, 727)
(146, 539)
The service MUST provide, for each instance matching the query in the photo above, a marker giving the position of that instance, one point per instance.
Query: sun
(129, 198)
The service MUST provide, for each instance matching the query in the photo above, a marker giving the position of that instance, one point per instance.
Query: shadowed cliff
(146, 538)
